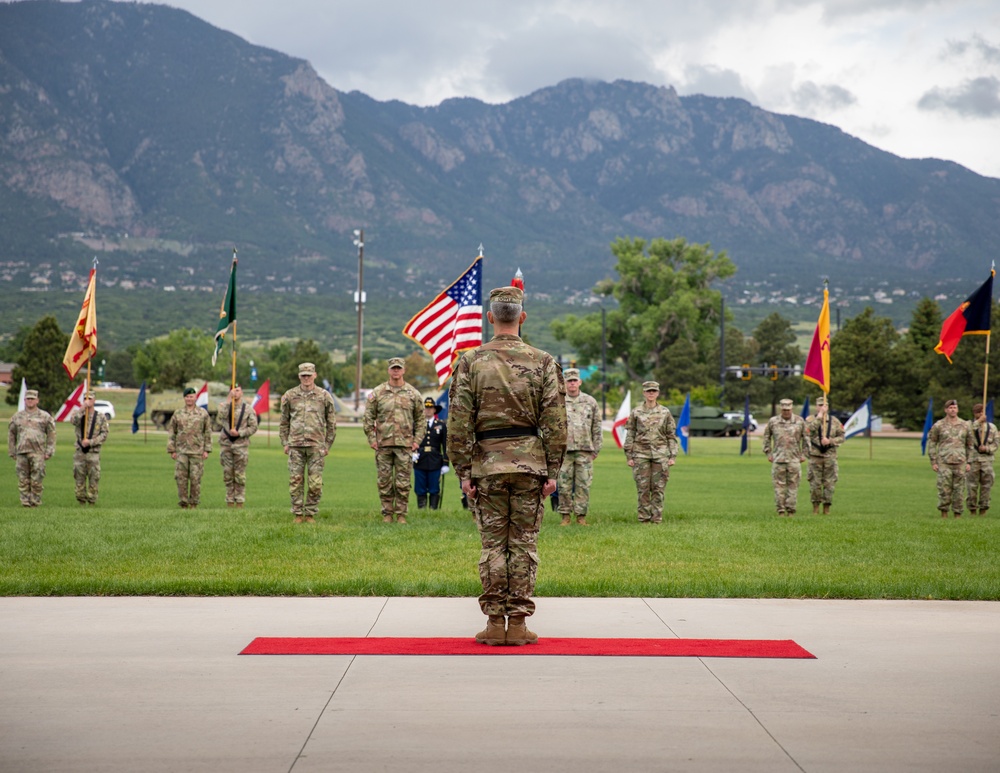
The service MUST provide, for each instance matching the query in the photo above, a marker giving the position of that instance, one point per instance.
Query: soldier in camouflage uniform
(237, 426)
(392, 414)
(651, 450)
(31, 441)
(507, 436)
(307, 429)
(583, 444)
(949, 446)
(91, 429)
(785, 448)
(979, 481)
(824, 433)
(189, 443)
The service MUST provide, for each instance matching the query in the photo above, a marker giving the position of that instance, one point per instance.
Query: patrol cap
(90, 396)
(650, 385)
(189, 391)
(396, 362)
(31, 394)
(949, 403)
(307, 368)
(786, 403)
(820, 400)
(507, 295)
(571, 374)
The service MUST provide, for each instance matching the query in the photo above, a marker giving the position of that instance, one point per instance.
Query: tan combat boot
(826, 509)
(581, 520)
(518, 633)
(565, 520)
(386, 519)
(815, 509)
(400, 519)
(494, 633)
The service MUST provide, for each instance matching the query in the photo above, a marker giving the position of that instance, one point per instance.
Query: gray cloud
(812, 98)
(976, 98)
(715, 82)
(977, 46)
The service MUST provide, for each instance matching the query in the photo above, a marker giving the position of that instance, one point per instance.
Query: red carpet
(692, 648)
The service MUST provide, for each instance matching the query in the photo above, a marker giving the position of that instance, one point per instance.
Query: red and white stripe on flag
(75, 400)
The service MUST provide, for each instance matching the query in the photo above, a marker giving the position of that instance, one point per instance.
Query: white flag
(618, 428)
(74, 401)
(20, 400)
(860, 421)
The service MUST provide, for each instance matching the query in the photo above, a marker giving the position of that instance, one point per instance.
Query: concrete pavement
(156, 684)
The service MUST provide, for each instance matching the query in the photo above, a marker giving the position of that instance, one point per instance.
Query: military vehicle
(161, 405)
(708, 421)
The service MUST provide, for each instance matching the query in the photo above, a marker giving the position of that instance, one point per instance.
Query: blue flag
(928, 423)
(140, 408)
(805, 408)
(989, 410)
(684, 423)
(861, 421)
(745, 436)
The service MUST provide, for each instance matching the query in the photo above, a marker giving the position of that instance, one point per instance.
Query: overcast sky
(918, 78)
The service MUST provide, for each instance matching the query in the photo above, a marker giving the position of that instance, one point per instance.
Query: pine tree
(40, 365)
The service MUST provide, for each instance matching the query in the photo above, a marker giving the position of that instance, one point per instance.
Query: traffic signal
(774, 373)
(746, 374)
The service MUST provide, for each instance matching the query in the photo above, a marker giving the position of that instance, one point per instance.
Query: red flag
(817, 367)
(262, 400)
(971, 317)
(618, 428)
(75, 400)
(83, 340)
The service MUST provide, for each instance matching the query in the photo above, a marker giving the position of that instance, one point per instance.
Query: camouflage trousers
(822, 475)
(575, 477)
(979, 482)
(30, 474)
(650, 476)
(394, 465)
(187, 472)
(786, 476)
(508, 510)
(305, 478)
(951, 487)
(87, 474)
(234, 472)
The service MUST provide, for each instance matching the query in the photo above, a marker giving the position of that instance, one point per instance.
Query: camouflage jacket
(246, 424)
(308, 418)
(507, 384)
(984, 433)
(785, 440)
(950, 442)
(97, 431)
(31, 432)
(189, 432)
(583, 420)
(834, 431)
(650, 433)
(392, 414)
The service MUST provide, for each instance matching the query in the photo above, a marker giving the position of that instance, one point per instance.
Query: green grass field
(720, 537)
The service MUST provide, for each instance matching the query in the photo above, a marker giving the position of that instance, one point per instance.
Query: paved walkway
(155, 684)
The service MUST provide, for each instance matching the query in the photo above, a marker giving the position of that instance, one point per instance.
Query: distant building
(7, 372)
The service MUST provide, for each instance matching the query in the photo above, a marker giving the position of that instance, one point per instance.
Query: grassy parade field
(720, 536)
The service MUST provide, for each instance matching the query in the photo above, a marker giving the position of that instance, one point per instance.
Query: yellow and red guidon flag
(817, 367)
(83, 339)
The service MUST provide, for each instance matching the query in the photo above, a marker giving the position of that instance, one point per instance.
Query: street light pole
(359, 300)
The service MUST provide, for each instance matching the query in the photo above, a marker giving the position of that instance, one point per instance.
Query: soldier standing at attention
(431, 461)
(825, 433)
(392, 414)
(507, 434)
(238, 423)
(31, 440)
(651, 450)
(583, 444)
(785, 448)
(306, 431)
(189, 443)
(979, 481)
(91, 429)
(949, 445)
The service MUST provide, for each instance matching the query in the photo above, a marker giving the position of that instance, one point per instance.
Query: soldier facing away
(507, 435)
(825, 433)
(392, 414)
(189, 443)
(31, 441)
(651, 450)
(91, 430)
(979, 480)
(949, 445)
(238, 423)
(307, 429)
(785, 448)
(583, 444)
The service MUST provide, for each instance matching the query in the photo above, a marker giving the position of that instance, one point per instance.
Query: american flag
(452, 322)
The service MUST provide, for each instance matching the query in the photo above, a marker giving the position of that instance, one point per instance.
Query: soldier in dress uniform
(189, 442)
(979, 481)
(825, 433)
(785, 449)
(31, 441)
(583, 444)
(91, 430)
(507, 436)
(651, 450)
(430, 461)
(237, 424)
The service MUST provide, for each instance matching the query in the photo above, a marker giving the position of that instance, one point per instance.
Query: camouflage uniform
(190, 438)
(31, 439)
(392, 415)
(507, 435)
(823, 470)
(949, 445)
(979, 479)
(785, 446)
(87, 460)
(235, 453)
(584, 439)
(308, 428)
(650, 442)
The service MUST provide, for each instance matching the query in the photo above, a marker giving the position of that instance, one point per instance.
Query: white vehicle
(103, 406)
(738, 416)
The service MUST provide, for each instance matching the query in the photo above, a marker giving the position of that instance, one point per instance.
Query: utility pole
(359, 301)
